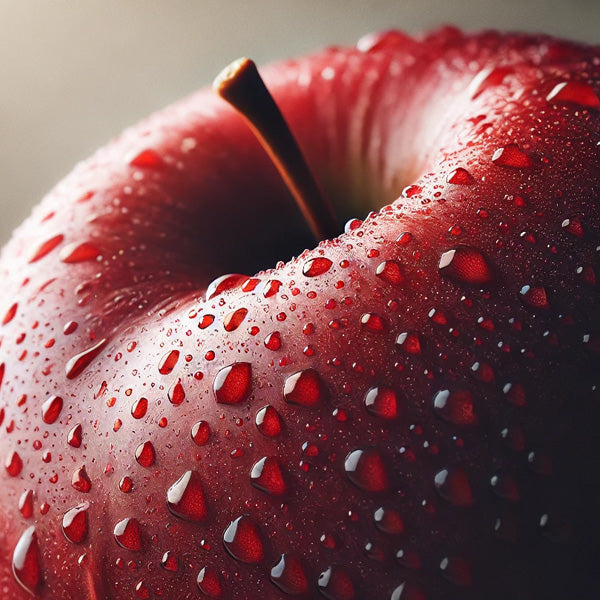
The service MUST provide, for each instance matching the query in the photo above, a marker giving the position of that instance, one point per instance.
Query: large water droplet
(13, 464)
(289, 576)
(408, 591)
(185, 498)
(242, 540)
(409, 342)
(316, 266)
(176, 393)
(224, 283)
(460, 176)
(128, 534)
(200, 432)
(234, 319)
(456, 407)
(304, 388)
(26, 561)
(457, 570)
(466, 264)
(168, 362)
(266, 476)
(511, 156)
(268, 421)
(51, 409)
(382, 402)
(453, 485)
(75, 436)
(145, 454)
(209, 583)
(75, 523)
(139, 408)
(534, 297)
(365, 469)
(388, 520)
(169, 562)
(10, 314)
(505, 487)
(232, 384)
(26, 504)
(574, 92)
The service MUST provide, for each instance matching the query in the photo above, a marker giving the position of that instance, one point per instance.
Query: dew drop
(289, 576)
(26, 561)
(26, 504)
(234, 319)
(77, 364)
(453, 486)
(534, 297)
(365, 469)
(232, 384)
(176, 394)
(128, 534)
(76, 253)
(390, 272)
(388, 520)
(224, 283)
(316, 266)
(242, 540)
(460, 176)
(574, 92)
(81, 481)
(46, 247)
(455, 407)
(466, 264)
(147, 159)
(409, 342)
(335, 584)
(200, 433)
(266, 475)
(10, 314)
(185, 498)
(139, 408)
(273, 341)
(51, 409)
(206, 321)
(75, 523)
(126, 484)
(268, 421)
(209, 583)
(13, 464)
(271, 288)
(373, 322)
(511, 156)
(304, 388)
(382, 402)
(168, 362)
(75, 436)
(145, 454)
(169, 562)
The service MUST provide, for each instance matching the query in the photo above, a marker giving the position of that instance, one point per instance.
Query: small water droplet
(169, 562)
(128, 534)
(232, 383)
(200, 433)
(268, 421)
(409, 342)
(209, 583)
(77, 364)
(388, 520)
(456, 407)
(176, 393)
(266, 475)
(81, 481)
(453, 485)
(382, 402)
(75, 523)
(13, 464)
(225, 283)
(336, 584)
(234, 319)
(185, 498)
(273, 341)
(26, 561)
(10, 314)
(511, 156)
(51, 409)
(460, 176)
(242, 540)
(534, 297)
(145, 454)
(289, 576)
(304, 388)
(365, 469)
(168, 362)
(316, 266)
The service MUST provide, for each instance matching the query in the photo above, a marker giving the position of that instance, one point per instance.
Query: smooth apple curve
(407, 411)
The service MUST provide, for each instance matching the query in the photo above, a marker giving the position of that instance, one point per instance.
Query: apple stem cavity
(241, 85)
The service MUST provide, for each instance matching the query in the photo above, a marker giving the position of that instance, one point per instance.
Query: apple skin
(493, 485)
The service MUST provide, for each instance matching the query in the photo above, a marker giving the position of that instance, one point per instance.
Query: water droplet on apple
(268, 421)
(453, 485)
(388, 520)
(410, 342)
(126, 484)
(168, 362)
(76, 365)
(534, 297)
(176, 393)
(515, 394)
(46, 247)
(26, 504)
(316, 266)
(273, 341)
(145, 454)
(304, 388)
(457, 570)
(289, 576)
(141, 590)
(266, 475)
(234, 319)
(460, 176)
(10, 314)
(13, 464)
(365, 469)
(335, 584)
(75, 436)
(487, 78)
(382, 402)
(511, 156)
(505, 487)
(232, 383)
(373, 322)
(81, 481)
(224, 283)
(51, 409)
(456, 407)
(76, 253)
(574, 92)
(169, 562)
(206, 321)
(200, 433)
(26, 561)
(75, 523)
(139, 408)
(242, 540)
(466, 264)
(185, 498)
(271, 288)
(390, 271)
(209, 583)
(128, 534)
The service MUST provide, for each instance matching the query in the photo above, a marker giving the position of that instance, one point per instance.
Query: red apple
(406, 411)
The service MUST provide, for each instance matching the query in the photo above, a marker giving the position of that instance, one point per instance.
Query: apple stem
(241, 85)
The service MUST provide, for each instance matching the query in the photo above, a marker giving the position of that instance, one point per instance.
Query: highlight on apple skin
(406, 411)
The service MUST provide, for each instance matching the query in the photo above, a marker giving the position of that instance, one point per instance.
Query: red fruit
(406, 411)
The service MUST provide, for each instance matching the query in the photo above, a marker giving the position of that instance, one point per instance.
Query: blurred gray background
(74, 73)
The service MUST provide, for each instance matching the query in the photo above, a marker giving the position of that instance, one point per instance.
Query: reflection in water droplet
(77, 364)
(242, 540)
